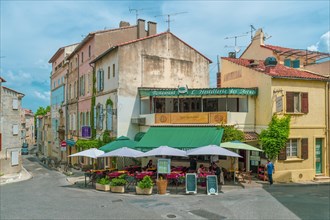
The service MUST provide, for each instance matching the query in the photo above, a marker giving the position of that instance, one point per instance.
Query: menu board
(164, 166)
(212, 185)
(191, 183)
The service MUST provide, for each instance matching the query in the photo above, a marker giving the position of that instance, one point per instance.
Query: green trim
(198, 92)
(109, 102)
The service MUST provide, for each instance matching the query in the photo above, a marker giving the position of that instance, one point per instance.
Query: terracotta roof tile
(279, 71)
(276, 48)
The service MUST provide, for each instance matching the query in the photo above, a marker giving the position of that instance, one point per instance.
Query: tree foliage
(231, 134)
(87, 144)
(274, 138)
(42, 111)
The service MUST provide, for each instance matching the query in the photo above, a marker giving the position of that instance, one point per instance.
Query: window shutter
(304, 102)
(101, 117)
(289, 102)
(304, 148)
(94, 117)
(296, 63)
(15, 129)
(109, 117)
(98, 80)
(287, 62)
(15, 104)
(282, 154)
(102, 80)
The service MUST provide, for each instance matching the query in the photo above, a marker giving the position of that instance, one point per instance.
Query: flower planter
(161, 186)
(118, 189)
(102, 187)
(146, 191)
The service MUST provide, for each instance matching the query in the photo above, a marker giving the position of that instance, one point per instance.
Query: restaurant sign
(164, 166)
(198, 92)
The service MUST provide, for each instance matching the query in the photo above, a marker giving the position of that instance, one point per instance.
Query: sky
(32, 31)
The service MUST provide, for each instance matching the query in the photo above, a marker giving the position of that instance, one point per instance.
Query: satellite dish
(237, 49)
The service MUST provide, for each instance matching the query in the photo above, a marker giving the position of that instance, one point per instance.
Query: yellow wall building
(283, 90)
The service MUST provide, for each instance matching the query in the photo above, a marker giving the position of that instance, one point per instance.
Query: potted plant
(118, 184)
(103, 184)
(144, 187)
(161, 185)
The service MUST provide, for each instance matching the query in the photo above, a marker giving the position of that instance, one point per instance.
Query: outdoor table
(91, 178)
(116, 174)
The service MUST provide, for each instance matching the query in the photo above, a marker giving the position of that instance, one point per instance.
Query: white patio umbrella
(164, 151)
(122, 152)
(92, 153)
(212, 150)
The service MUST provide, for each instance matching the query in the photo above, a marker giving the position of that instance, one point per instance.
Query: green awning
(120, 142)
(180, 137)
(238, 145)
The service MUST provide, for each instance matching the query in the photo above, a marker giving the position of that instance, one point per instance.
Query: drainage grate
(171, 216)
(206, 214)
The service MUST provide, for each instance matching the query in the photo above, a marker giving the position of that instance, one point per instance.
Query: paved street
(49, 196)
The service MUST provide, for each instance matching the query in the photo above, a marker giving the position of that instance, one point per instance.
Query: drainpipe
(326, 146)
(78, 85)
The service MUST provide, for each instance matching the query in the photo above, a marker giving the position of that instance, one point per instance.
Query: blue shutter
(109, 117)
(101, 117)
(94, 117)
(102, 81)
(296, 63)
(98, 80)
(287, 62)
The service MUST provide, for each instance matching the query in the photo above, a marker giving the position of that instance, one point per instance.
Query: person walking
(270, 171)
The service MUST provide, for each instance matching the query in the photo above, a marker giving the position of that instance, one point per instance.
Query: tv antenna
(137, 10)
(237, 48)
(169, 18)
(252, 28)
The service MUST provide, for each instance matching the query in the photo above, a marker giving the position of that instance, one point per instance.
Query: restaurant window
(292, 148)
(159, 105)
(210, 105)
(297, 102)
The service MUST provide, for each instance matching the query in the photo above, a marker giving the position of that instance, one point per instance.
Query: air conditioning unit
(138, 121)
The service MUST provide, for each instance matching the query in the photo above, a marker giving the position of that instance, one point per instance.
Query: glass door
(318, 155)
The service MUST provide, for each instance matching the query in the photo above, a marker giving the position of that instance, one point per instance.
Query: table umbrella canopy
(122, 152)
(120, 142)
(238, 145)
(92, 153)
(212, 150)
(164, 151)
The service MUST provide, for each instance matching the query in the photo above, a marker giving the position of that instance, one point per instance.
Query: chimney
(259, 36)
(141, 32)
(124, 24)
(152, 28)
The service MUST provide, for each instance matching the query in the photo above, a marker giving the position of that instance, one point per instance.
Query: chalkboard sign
(164, 166)
(212, 185)
(191, 183)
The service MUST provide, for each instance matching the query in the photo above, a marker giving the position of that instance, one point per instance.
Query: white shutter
(102, 81)
(109, 117)
(14, 158)
(15, 129)
(15, 104)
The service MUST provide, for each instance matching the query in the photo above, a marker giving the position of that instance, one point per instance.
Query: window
(113, 70)
(15, 104)
(108, 72)
(82, 57)
(292, 63)
(74, 90)
(100, 80)
(70, 91)
(109, 117)
(89, 51)
(82, 86)
(98, 117)
(297, 102)
(292, 148)
(15, 129)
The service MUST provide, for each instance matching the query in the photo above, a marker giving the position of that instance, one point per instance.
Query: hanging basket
(161, 186)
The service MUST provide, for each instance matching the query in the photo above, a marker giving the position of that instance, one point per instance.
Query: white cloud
(323, 45)
(42, 95)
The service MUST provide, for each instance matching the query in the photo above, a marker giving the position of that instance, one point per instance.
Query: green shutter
(287, 62)
(296, 63)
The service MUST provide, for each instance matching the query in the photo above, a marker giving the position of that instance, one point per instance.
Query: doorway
(318, 155)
